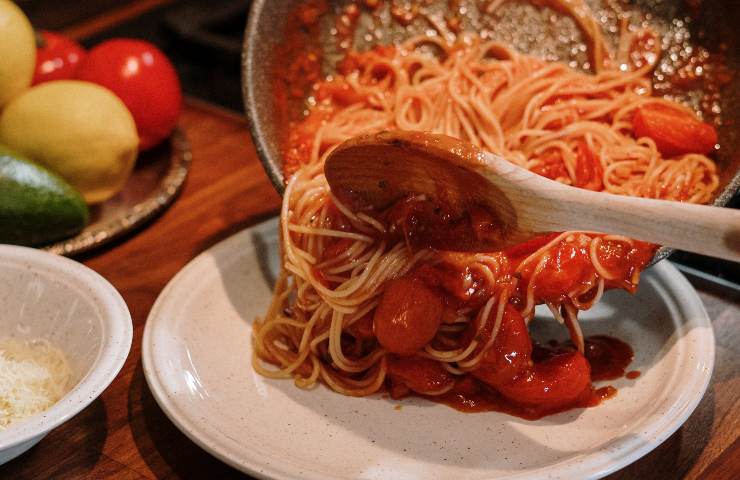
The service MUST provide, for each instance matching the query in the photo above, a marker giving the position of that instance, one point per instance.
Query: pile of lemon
(60, 142)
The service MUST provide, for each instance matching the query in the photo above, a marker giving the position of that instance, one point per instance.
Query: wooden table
(124, 434)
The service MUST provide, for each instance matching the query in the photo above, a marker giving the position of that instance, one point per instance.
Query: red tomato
(553, 166)
(589, 173)
(674, 131)
(142, 76)
(553, 383)
(57, 57)
(407, 317)
(511, 353)
(567, 267)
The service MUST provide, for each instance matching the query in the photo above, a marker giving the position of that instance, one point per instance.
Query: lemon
(79, 130)
(17, 51)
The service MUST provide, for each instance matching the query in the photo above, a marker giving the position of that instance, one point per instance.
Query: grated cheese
(33, 376)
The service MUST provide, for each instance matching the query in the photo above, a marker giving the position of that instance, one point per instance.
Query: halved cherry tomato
(623, 260)
(674, 131)
(408, 316)
(552, 383)
(511, 353)
(142, 76)
(568, 266)
(57, 57)
(589, 173)
(552, 165)
(507, 366)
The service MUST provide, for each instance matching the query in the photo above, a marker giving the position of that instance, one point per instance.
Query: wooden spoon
(373, 172)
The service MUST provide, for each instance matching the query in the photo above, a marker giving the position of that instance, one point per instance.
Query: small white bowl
(79, 312)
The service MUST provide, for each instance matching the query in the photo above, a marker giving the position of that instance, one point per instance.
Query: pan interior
(687, 27)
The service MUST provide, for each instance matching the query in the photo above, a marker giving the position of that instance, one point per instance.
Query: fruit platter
(153, 186)
(89, 144)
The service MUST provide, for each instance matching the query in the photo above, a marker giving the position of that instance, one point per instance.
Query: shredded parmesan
(33, 376)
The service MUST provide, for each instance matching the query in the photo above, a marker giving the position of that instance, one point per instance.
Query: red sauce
(609, 357)
(346, 23)
(605, 393)
(633, 374)
(476, 397)
(453, 18)
(472, 395)
(423, 224)
(485, 399)
(292, 82)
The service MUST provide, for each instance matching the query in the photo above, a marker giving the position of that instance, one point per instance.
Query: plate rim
(668, 275)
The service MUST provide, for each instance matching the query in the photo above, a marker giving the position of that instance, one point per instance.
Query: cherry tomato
(567, 267)
(552, 165)
(589, 172)
(142, 76)
(552, 383)
(57, 57)
(407, 317)
(511, 352)
(675, 132)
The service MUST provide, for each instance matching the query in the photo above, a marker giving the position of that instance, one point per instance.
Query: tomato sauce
(612, 356)
(609, 357)
(424, 224)
(515, 375)
(292, 83)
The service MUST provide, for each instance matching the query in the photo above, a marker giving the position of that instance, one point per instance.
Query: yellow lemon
(17, 51)
(79, 130)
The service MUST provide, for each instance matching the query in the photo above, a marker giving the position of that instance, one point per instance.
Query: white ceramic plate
(197, 351)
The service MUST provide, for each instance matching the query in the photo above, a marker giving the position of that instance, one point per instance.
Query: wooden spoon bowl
(373, 172)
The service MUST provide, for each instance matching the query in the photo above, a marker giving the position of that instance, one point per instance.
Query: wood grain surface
(125, 435)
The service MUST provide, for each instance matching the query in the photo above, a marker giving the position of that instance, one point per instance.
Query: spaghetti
(358, 308)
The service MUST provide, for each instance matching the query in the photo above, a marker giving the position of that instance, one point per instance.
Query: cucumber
(36, 206)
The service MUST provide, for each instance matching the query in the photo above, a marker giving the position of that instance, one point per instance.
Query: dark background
(202, 38)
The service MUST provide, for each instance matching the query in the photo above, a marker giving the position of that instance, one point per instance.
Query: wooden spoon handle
(700, 229)
(544, 205)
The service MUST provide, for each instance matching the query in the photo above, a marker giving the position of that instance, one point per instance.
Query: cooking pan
(685, 26)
